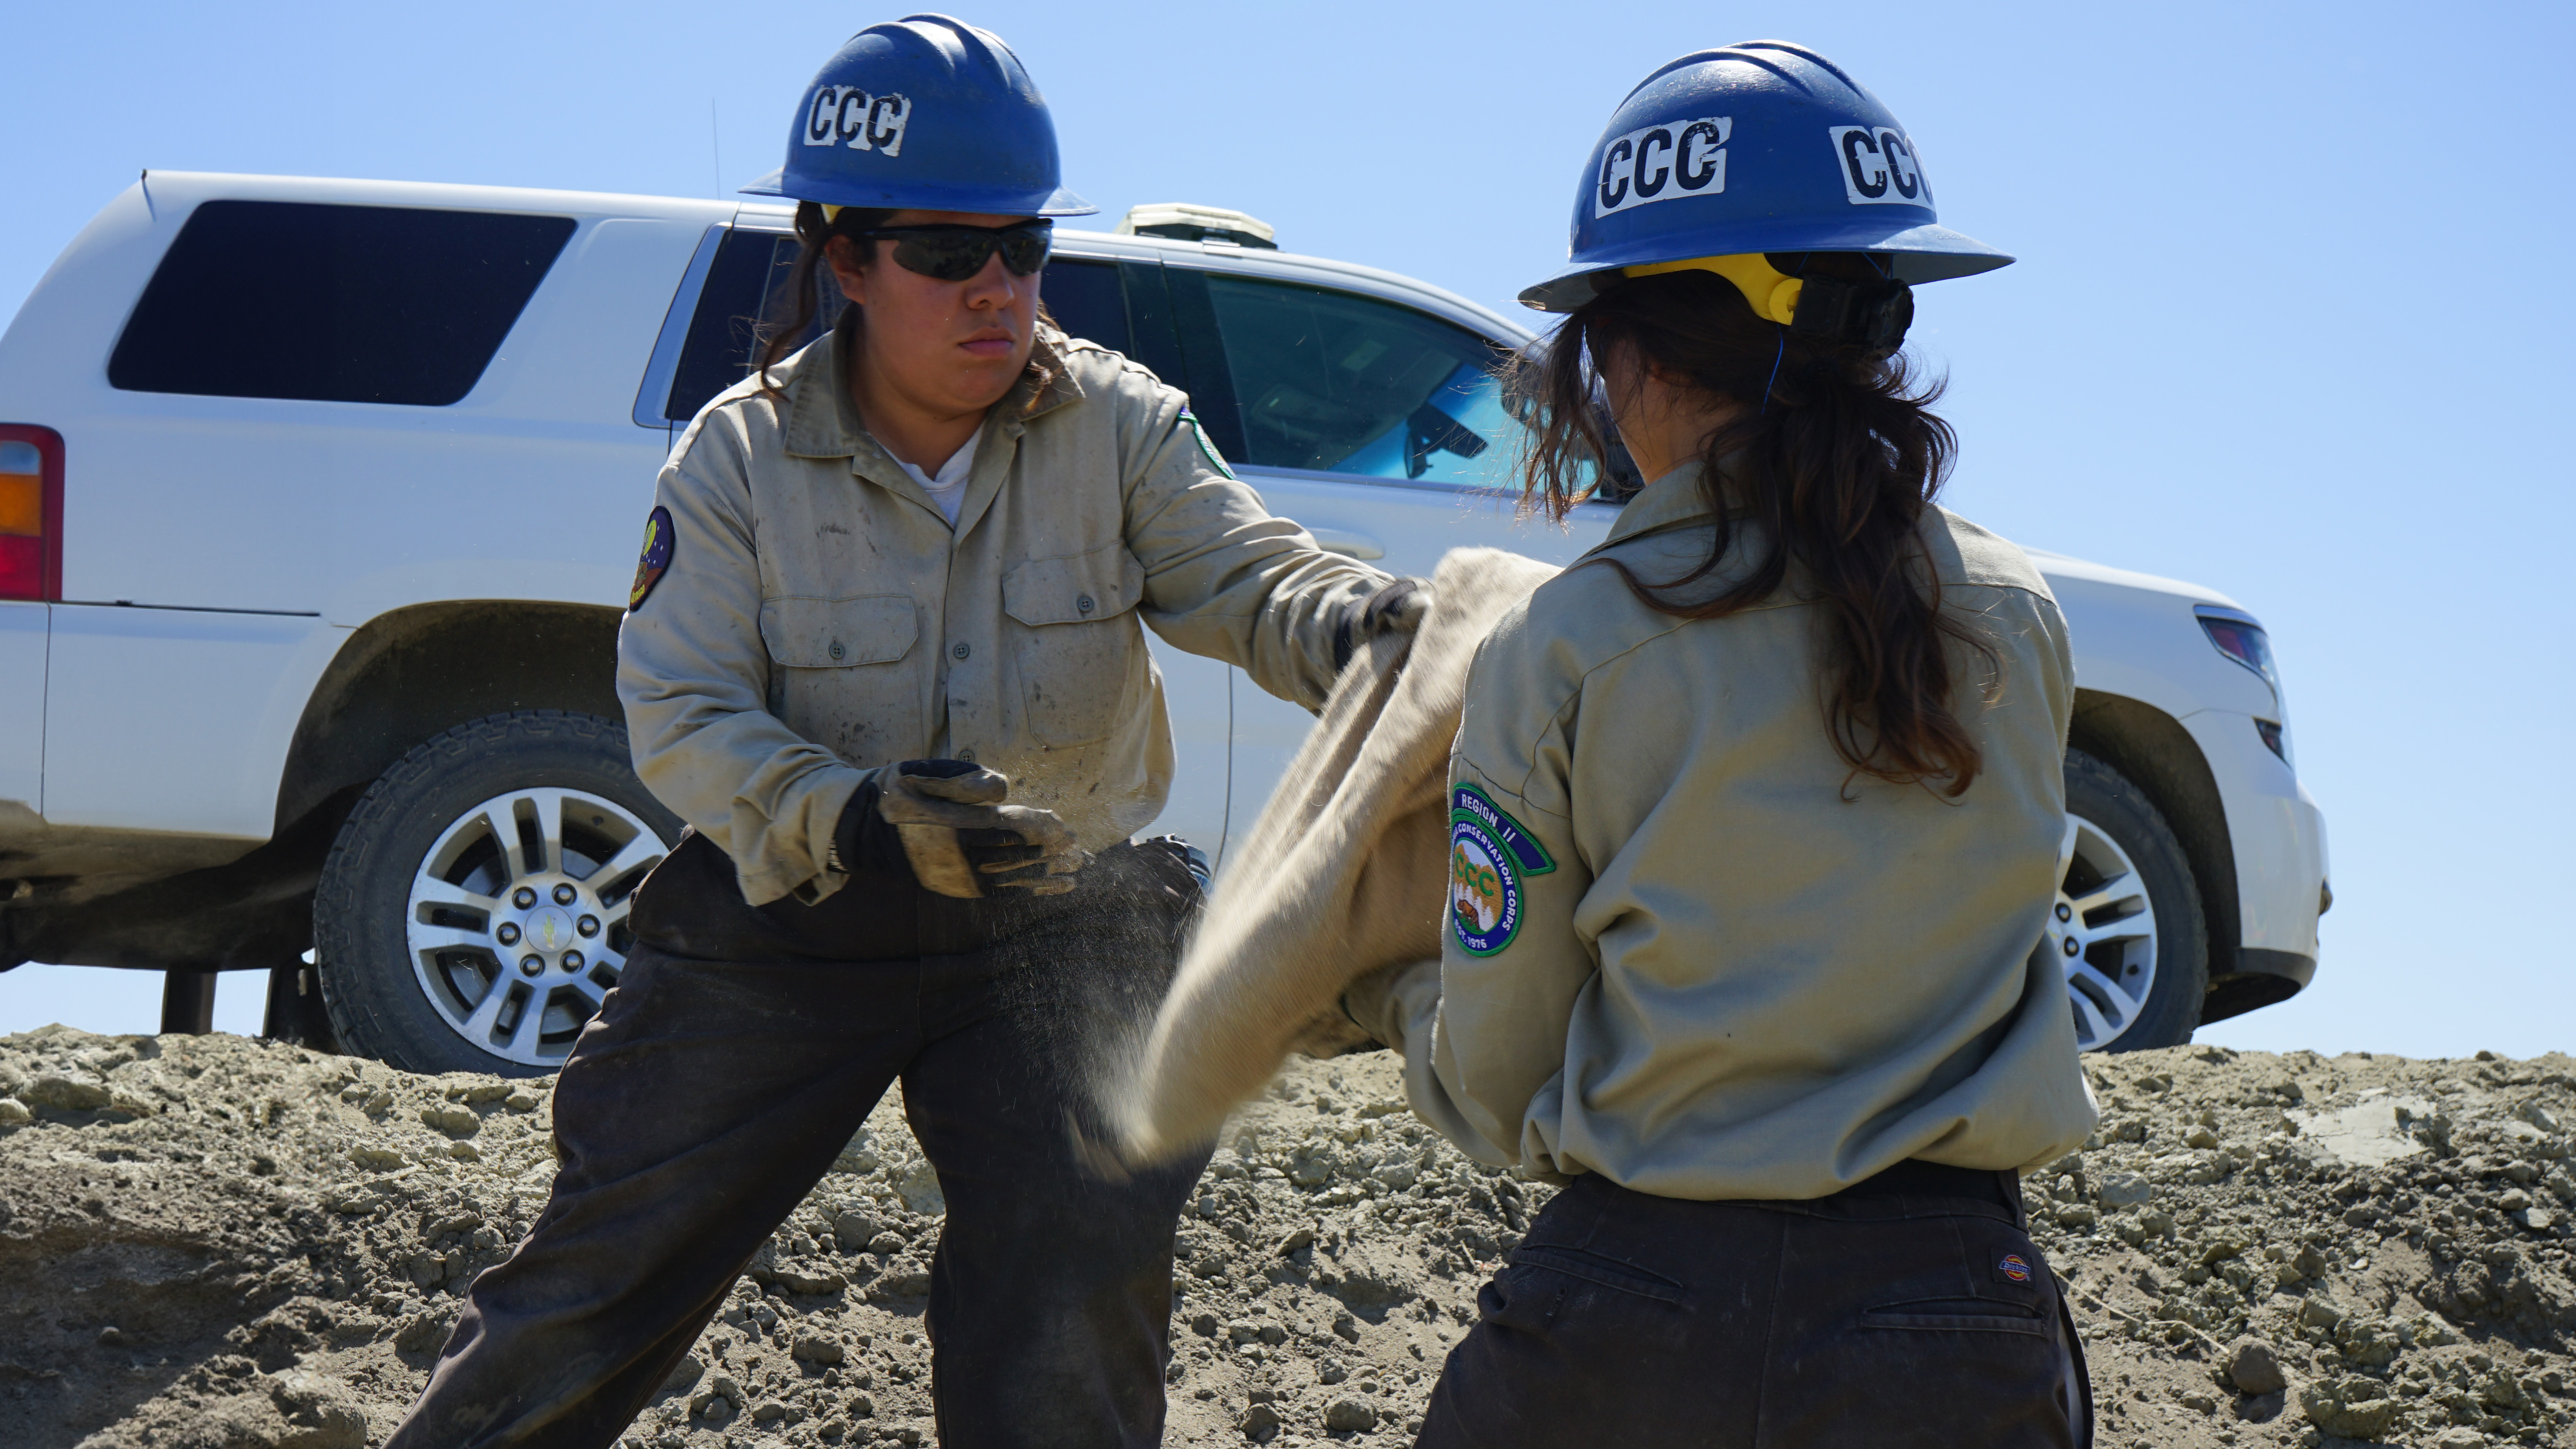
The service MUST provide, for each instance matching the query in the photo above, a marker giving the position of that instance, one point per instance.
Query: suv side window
(1086, 301)
(1347, 384)
(751, 267)
(374, 304)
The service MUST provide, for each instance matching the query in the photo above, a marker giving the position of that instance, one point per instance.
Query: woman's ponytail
(1836, 455)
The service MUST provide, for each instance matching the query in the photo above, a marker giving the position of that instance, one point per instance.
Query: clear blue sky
(2287, 320)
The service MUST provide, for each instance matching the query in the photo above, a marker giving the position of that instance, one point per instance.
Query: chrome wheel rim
(517, 925)
(2103, 930)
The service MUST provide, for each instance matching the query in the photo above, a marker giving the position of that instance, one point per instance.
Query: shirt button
(961, 651)
(967, 754)
(836, 651)
(1083, 604)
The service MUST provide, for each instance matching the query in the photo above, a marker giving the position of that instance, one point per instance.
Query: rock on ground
(213, 1243)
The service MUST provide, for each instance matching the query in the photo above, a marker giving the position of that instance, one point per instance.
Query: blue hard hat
(926, 113)
(1763, 147)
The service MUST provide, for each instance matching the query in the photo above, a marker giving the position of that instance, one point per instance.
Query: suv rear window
(376, 304)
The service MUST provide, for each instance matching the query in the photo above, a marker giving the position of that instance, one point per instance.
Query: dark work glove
(1395, 609)
(943, 823)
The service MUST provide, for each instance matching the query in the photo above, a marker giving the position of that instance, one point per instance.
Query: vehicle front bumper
(2278, 836)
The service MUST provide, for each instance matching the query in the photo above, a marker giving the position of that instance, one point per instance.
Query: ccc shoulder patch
(1207, 449)
(656, 560)
(1489, 856)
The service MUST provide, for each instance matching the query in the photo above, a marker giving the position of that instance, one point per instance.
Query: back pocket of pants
(1959, 1315)
(1594, 1268)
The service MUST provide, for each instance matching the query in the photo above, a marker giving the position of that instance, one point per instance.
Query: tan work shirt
(1686, 947)
(819, 616)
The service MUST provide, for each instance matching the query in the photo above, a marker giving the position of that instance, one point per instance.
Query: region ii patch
(656, 560)
(2013, 1268)
(1489, 855)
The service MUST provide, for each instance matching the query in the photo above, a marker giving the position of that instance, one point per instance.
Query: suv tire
(473, 910)
(2127, 925)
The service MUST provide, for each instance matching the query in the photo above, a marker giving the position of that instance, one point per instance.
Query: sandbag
(1345, 874)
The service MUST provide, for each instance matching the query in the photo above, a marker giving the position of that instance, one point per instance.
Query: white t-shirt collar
(948, 489)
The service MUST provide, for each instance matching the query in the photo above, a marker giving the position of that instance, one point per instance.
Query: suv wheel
(472, 913)
(2127, 926)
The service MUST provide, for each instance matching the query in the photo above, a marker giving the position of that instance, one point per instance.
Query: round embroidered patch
(656, 560)
(1484, 889)
(2015, 1267)
(1489, 854)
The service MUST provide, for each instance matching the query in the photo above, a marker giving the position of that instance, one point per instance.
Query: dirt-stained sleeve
(693, 674)
(1224, 577)
(1491, 1039)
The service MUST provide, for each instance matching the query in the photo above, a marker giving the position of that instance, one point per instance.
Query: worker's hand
(945, 820)
(1395, 609)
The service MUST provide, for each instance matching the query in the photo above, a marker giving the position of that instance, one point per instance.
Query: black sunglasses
(955, 253)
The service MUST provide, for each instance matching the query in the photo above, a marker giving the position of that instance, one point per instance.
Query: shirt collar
(1671, 501)
(1675, 501)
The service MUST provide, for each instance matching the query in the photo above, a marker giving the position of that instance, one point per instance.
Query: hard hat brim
(1926, 253)
(918, 197)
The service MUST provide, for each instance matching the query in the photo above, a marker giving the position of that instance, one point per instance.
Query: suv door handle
(1349, 545)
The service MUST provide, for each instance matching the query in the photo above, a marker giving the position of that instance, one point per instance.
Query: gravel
(241, 1245)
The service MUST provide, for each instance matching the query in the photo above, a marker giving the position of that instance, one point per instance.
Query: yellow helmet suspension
(1872, 313)
(1773, 293)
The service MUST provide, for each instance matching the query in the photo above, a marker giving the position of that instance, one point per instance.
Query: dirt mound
(223, 1244)
(2376, 1247)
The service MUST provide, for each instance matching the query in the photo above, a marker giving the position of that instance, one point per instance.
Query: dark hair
(784, 330)
(1835, 457)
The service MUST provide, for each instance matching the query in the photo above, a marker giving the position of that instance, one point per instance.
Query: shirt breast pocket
(839, 680)
(1081, 657)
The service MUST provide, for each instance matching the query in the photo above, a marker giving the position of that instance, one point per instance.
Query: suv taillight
(31, 512)
(2239, 637)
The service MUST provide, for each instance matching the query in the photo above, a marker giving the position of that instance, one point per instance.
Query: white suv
(318, 500)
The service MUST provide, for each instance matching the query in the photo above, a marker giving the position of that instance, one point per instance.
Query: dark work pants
(1887, 1315)
(737, 1055)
